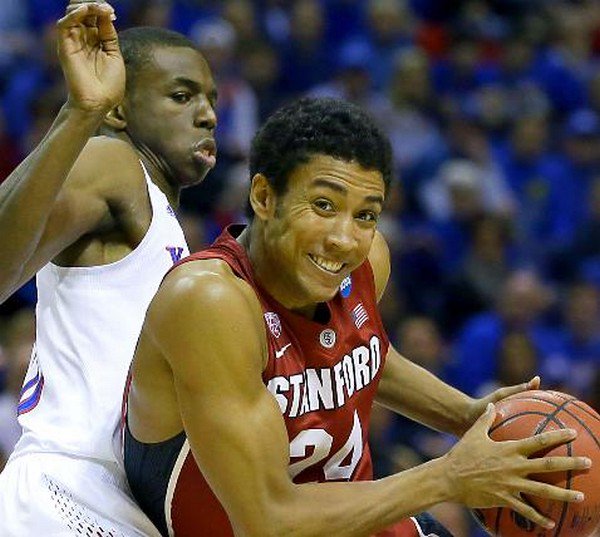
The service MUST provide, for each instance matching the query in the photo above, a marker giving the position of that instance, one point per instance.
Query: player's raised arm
(95, 75)
(208, 325)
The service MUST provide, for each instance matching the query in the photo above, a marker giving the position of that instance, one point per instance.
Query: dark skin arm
(207, 326)
(30, 198)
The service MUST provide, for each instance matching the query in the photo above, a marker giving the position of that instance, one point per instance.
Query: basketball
(533, 412)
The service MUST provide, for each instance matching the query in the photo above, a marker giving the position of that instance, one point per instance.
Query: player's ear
(115, 119)
(262, 197)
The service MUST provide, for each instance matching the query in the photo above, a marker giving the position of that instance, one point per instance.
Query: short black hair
(137, 45)
(318, 126)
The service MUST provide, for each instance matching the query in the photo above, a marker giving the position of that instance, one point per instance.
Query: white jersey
(88, 323)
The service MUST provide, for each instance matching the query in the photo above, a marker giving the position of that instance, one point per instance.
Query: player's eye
(368, 216)
(181, 97)
(323, 205)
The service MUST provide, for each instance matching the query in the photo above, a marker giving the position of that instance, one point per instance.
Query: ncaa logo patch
(327, 338)
(273, 322)
(346, 287)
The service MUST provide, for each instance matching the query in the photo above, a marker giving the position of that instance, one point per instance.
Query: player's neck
(152, 164)
(168, 188)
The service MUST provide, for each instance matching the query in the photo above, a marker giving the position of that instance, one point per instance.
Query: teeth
(330, 266)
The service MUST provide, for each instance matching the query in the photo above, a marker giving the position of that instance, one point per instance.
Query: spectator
(581, 145)
(580, 340)
(477, 284)
(520, 307)
(537, 179)
(237, 110)
(305, 59)
(583, 255)
(409, 114)
(241, 14)
(390, 26)
(454, 200)
(352, 78)
(38, 75)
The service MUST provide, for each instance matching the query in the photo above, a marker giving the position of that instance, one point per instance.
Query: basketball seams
(553, 418)
(539, 427)
(581, 406)
(589, 411)
(539, 413)
(532, 413)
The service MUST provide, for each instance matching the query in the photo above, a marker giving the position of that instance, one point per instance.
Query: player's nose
(205, 116)
(341, 236)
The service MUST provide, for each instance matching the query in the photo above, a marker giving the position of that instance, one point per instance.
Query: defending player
(93, 217)
(260, 359)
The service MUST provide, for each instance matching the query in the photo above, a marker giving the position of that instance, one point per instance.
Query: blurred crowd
(493, 111)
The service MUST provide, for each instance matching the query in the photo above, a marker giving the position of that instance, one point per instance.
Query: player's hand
(89, 53)
(483, 473)
(479, 406)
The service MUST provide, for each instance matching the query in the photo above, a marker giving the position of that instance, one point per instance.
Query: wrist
(442, 471)
(89, 119)
(97, 110)
(468, 414)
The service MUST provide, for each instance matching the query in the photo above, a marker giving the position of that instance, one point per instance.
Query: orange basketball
(530, 413)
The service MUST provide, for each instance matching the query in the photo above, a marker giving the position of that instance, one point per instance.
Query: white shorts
(58, 496)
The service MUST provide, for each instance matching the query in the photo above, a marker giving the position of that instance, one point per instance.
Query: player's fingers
(557, 464)
(551, 492)
(90, 20)
(73, 17)
(540, 442)
(529, 512)
(486, 419)
(76, 16)
(534, 383)
(507, 391)
(107, 32)
(74, 4)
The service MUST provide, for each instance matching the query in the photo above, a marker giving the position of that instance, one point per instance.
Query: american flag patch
(359, 314)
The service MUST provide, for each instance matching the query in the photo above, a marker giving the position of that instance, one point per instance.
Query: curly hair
(323, 126)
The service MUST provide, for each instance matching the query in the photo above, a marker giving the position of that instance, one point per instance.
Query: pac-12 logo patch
(346, 287)
(273, 322)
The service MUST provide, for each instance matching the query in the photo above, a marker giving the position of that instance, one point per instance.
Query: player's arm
(94, 71)
(209, 327)
(411, 390)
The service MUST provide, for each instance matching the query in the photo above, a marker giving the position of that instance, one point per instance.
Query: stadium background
(493, 110)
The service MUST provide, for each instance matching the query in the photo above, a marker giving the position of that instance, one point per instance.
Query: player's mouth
(205, 151)
(332, 267)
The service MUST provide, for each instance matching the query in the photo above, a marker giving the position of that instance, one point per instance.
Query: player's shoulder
(379, 259)
(107, 164)
(207, 285)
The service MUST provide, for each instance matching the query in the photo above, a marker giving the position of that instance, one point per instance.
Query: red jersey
(324, 377)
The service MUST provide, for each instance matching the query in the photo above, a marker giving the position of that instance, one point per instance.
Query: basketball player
(93, 217)
(260, 359)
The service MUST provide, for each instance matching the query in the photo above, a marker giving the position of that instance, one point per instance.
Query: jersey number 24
(321, 442)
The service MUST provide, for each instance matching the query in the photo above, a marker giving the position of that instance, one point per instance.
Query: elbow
(273, 517)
